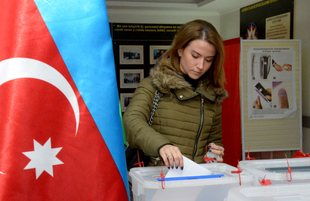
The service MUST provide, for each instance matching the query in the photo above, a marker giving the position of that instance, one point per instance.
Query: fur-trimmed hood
(168, 81)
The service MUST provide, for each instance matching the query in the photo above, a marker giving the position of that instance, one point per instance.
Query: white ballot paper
(190, 169)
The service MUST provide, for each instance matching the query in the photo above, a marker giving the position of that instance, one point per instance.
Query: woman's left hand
(217, 150)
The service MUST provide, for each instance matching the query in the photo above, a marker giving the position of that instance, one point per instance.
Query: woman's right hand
(172, 156)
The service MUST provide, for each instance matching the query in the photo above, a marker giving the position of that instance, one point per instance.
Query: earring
(180, 53)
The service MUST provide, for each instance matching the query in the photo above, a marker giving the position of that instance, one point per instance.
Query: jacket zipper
(200, 127)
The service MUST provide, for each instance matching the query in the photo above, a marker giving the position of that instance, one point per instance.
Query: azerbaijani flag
(61, 135)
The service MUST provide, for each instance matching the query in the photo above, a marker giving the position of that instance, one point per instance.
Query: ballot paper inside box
(276, 170)
(146, 187)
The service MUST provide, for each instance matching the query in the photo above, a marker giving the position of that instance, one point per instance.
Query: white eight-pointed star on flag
(43, 158)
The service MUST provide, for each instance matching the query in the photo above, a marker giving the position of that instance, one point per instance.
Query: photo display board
(271, 95)
(136, 48)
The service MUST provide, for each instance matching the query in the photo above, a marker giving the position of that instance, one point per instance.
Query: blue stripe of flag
(81, 32)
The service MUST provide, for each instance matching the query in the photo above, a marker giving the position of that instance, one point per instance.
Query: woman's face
(196, 58)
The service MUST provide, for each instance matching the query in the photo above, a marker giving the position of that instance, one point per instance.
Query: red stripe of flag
(35, 112)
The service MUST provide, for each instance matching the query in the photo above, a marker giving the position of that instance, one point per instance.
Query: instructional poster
(271, 82)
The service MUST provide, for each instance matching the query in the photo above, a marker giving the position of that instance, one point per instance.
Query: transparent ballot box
(278, 171)
(146, 187)
(279, 192)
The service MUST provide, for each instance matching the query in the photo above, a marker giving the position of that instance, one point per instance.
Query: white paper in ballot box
(190, 169)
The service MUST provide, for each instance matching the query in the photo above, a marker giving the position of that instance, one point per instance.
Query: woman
(190, 78)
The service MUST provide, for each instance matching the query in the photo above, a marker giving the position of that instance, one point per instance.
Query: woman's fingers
(219, 160)
(216, 149)
(219, 150)
(178, 158)
(171, 156)
(165, 156)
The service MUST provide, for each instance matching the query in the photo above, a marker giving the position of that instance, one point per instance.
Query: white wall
(230, 25)
(302, 31)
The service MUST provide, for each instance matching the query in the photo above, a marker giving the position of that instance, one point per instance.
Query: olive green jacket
(186, 118)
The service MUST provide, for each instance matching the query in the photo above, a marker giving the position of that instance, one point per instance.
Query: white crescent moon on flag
(16, 68)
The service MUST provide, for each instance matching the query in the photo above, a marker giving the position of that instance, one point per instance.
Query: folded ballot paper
(191, 170)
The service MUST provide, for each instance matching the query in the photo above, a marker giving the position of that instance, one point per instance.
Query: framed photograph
(131, 54)
(130, 78)
(125, 100)
(156, 52)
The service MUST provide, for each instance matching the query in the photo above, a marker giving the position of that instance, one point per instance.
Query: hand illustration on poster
(264, 96)
(287, 67)
(271, 81)
(281, 66)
